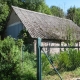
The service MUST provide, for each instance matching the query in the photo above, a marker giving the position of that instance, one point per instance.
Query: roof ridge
(41, 13)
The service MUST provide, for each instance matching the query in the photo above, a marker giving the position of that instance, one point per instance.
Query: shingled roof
(46, 26)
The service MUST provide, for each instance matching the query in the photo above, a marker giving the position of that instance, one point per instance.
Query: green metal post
(39, 59)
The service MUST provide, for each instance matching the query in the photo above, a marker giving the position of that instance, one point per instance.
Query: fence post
(39, 59)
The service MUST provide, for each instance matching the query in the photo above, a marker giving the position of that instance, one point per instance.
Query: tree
(11, 2)
(77, 16)
(56, 11)
(43, 8)
(4, 11)
(73, 14)
(36, 5)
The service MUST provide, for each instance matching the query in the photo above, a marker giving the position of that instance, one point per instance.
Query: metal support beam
(39, 59)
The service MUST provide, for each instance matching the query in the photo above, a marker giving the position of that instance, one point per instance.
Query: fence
(39, 48)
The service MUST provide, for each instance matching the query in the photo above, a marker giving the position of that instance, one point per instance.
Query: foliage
(16, 65)
(70, 36)
(73, 14)
(11, 2)
(19, 42)
(77, 16)
(27, 69)
(27, 40)
(43, 8)
(4, 11)
(68, 60)
(25, 36)
(57, 11)
(38, 5)
(10, 56)
(45, 65)
(29, 48)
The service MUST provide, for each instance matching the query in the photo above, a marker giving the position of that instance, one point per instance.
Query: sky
(64, 4)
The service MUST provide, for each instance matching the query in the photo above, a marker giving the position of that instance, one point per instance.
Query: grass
(65, 75)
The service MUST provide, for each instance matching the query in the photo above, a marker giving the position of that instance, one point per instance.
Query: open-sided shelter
(53, 30)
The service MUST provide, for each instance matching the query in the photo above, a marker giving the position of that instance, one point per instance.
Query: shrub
(45, 65)
(13, 64)
(10, 56)
(63, 61)
(68, 60)
(28, 66)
